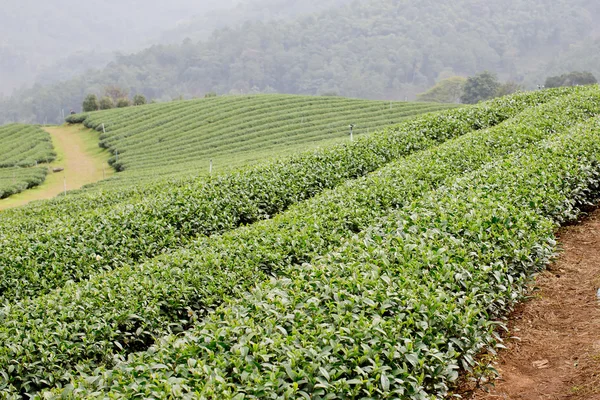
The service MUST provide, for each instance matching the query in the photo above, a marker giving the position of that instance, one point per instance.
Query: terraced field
(237, 130)
(22, 148)
(377, 268)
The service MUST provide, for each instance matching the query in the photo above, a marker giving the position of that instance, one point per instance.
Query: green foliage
(172, 291)
(448, 90)
(210, 94)
(275, 130)
(231, 130)
(17, 180)
(106, 103)
(139, 100)
(480, 87)
(22, 148)
(91, 103)
(571, 79)
(169, 218)
(508, 88)
(393, 309)
(123, 102)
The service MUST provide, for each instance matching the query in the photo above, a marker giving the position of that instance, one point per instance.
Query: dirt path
(558, 355)
(83, 162)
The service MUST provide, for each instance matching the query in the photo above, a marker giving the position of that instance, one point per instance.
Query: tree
(90, 103)
(139, 100)
(480, 87)
(123, 102)
(507, 88)
(571, 79)
(106, 103)
(210, 94)
(115, 93)
(448, 90)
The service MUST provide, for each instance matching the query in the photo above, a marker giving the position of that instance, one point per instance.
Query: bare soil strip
(83, 162)
(558, 354)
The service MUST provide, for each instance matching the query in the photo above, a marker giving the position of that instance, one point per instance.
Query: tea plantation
(22, 148)
(378, 268)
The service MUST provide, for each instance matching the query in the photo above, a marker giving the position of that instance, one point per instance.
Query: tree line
(486, 85)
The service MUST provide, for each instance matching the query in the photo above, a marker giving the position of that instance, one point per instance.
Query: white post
(210, 167)
(103, 130)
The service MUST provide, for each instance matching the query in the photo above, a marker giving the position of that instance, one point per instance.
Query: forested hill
(371, 48)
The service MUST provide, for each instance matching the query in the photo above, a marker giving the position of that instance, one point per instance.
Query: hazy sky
(34, 34)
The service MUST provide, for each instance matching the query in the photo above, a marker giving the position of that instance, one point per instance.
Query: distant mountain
(36, 33)
(380, 49)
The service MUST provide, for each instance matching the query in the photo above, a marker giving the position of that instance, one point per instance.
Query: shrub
(571, 79)
(106, 103)
(91, 103)
(123, 102)
(139, 100)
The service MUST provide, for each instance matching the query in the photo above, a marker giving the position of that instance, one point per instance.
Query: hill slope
(22, 148)
(382, 285)
(182, 137)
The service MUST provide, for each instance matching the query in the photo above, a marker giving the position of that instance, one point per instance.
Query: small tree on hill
(448, 90)
(106, 103)
(571, 79)
(123, 102)
(480, 87)
(210, 94)
(139, 100)
(91, 103)
(115, 93)
(508, 88)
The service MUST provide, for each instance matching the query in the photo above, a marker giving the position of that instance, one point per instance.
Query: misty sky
(34, 34)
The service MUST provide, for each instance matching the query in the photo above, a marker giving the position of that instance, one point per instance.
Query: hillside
(23, 148)
(380, 266)
(235, 130)
(379, 49)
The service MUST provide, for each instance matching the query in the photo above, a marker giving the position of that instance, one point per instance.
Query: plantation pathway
(558, 356)
(78, 153)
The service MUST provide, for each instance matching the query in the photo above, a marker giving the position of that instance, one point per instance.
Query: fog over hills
(377, 49)
(35, 34)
